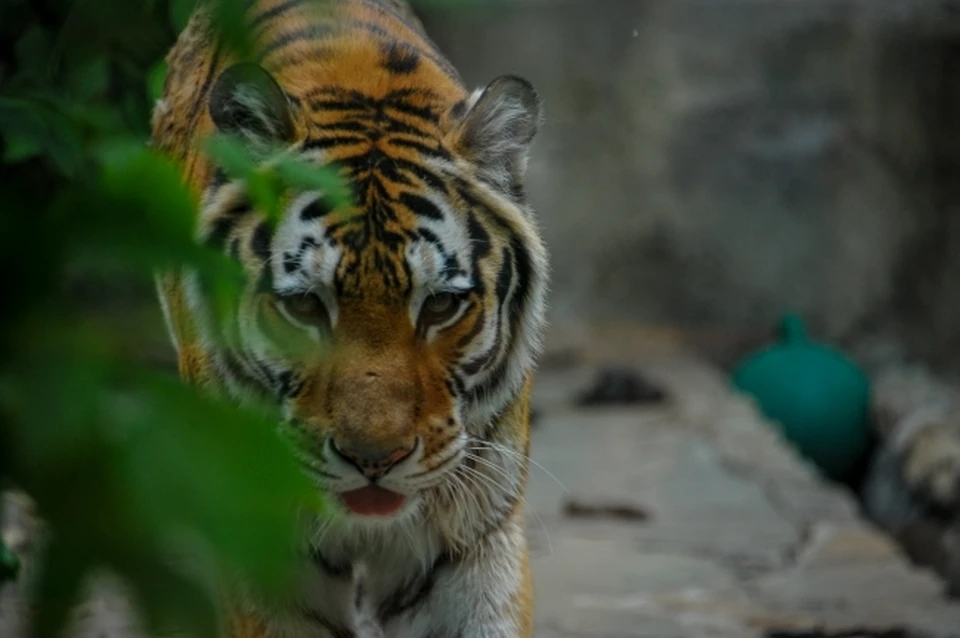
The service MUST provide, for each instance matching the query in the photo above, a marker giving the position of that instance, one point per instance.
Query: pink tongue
(372, 500)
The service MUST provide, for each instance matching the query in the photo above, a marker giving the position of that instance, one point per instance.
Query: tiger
(398, 332)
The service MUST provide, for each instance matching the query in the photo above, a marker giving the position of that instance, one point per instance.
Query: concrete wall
(716, 163)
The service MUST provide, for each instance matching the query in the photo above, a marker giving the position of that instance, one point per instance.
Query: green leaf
(59, 587)
(34, 127)
(20, 147)
(33, 50)
(301, 175)
(156, 79)
(88, 79)
(229, 20)
(231, 154)
(180, 12)
(233, 472)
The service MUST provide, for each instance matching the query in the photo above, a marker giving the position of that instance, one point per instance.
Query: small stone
(621, 385)
(614, 511)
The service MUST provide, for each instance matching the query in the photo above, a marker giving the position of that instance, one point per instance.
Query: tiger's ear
(498, 128)
(246, 100)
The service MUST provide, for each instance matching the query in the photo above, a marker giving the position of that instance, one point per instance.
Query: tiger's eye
(305, 309)
(439, 307)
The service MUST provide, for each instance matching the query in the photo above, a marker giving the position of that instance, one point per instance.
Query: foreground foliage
(131, 470)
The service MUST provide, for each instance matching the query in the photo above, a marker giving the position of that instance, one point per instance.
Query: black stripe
(480, 243)
(411, 595)
(420, 172)
(406, 108)
(276, 11)
(260, 241)
(420, 147)
(400, 59)
(438, 57)
(317, 209)
(379, 7)
(347, 126)
(392, 125)
(311, 33)
(335, 631)
(421, 207)
(291, 262)
(474, 331)
(451, 267)
(318, 53)
(502, 289)
(336, 105)
(220, 177)
(224, 224)
(428, 49)
(330, 569)
(505, 276)
(330, 142)
(290, 384)
(237, 370)
(458, 384)
(524, 266)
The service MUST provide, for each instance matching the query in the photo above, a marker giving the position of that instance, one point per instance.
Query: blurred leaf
(229, 19)
(231, 154)
(180, 12)
(32, 126)
(59, 589)
(155, 81)
(299, 174)
(88, 79)
(233, 471)
(170, 488)
(33, 50)
(173, 603)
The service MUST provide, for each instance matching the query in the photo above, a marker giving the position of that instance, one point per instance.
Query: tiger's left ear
(247, 101)
(497, 130)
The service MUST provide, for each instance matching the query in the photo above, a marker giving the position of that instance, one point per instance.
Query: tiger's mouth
(373, 500)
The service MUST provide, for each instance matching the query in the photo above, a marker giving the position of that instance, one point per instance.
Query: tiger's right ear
(246, 100)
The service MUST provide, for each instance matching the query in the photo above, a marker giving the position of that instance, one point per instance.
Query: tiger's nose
(372, 462)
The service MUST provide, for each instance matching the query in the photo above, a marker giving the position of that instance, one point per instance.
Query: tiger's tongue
(372, 501)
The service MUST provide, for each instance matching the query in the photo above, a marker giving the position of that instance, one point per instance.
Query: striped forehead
(371, 253)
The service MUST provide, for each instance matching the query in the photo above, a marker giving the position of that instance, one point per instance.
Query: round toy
(818, 396)
(9, 564)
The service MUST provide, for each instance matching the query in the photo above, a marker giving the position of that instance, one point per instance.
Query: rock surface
(738, 538)
(742, 537)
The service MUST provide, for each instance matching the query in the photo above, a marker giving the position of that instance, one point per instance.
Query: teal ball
(818, 397)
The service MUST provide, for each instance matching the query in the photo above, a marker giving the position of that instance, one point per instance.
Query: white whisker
(499, 447)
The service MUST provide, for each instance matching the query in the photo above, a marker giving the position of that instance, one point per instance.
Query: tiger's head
(400, 330)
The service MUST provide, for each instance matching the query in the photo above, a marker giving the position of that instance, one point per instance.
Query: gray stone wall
(715, 163)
